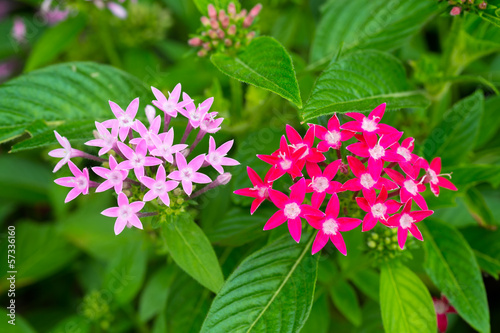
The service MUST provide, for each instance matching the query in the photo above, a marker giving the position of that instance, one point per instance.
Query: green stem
(236, 99)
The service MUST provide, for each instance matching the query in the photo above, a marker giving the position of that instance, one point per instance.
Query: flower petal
(276, 220)
(402, 235)
(295, 228)
(339, 243)
(319, 242)
(278, 198)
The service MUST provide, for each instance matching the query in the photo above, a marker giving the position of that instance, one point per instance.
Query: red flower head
(331, 137)
(433, 175)
(310, 154)
(377, 209)
(259, 191)
(442, 307)
(321, 182)
(410, 189)
(284, 161)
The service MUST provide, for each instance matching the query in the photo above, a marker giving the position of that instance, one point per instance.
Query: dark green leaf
(154, 297)
(405, 301)
(367, 280)
(20, 324)
(488, 264)
(451, 265)
(319, 319)
(345, 299)
(271, 290)
(478, 208)
(192, 251)
(266, 64)
(490, 121)
(486, 247)
(360, 82)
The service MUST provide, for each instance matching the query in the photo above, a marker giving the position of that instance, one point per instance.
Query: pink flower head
(125, 213)
(455, 11)
(408, 159)
(80, 182)
(310, 154)
(196, 114)
(284, 161)
(209, 124)
(146, 134)
(114, 176)
(187, 172)
(106, 140)
(364, 180)
(124, 119)
(291, 209)
(377, 209)
(164, 146)
(369, 126)
(434, 177)
(217, 156)
(259, 191)
(137, 159)
(330, 226)
(442, 307)
(117, 10)
(405, 221)
(19, 30)
(159, 187)
(331, 137)
(65, 153)
(171, 105)
(376, 151)
(322, 183)
(410, 189)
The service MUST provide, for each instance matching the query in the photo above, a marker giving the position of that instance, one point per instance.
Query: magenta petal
(377, 113)
(278, 198)
(348, 223)
(436, 165)
(254, 177)
(442, 322)
(353, 126)
(319, 242)
(375, 167)
(420, 201)
(292, 135)
(356, 166)
(352, 185)
(307, 210)
(317, 199)
(415, 232)
(332, 209)
(396, 176)
(298, 191)
(295, 228)
(331, 169)
(247, 192)
(359, 149)
(402, 235)
(363, 204)
(339, 243)
(369, 222)
(421, 214)
(276, 220)
(255, 204)
(333, 123)
(443, 182)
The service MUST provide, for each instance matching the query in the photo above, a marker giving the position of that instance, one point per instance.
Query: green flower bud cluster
(96, 309)
(382, 243)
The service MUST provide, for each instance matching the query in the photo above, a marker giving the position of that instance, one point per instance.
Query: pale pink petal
(175, 175)
(149, 196)
(59, 152)
(65, 181)
(106, 185)
(147, 181)
(119, 226)
(126, 150)
(170, 185)
(116, 109)
(187, 186)
(72, 194)
(122, 199)
(134, 220)
(225, 147)
(150, 161)
(197, 162)
(74, 169)
(175, 94)
(111, 212)
(165, 199)
(211, 145)
(181, 161)
(200, 178)
(137, 206)
(160, 97)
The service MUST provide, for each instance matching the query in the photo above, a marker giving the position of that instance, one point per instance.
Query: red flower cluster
(377, 145)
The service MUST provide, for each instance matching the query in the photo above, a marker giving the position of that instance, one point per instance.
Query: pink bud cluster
(142, 158)
(223, 31)
(375, 153)
(466, 5)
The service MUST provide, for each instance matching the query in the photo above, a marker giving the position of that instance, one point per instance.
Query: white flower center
(332, 137)
(379, 210)
(109, 140)
(411, 186)
(168, 106)
(406, 221)
(215, 158)
(300, 145)
(187, 173)
(330, 227)
(125, 212)
(147, 137)
(263, 191)
(125, 121)
(81, 182)
(369, 125)
(405, 153)
(440, 307)
(159, 188)
(292, 210)
(320, 184)
(137, 161)
(286, 164)
(433, 176)
(194, 115)
(377, 152)
(115, 177)
(366, 181)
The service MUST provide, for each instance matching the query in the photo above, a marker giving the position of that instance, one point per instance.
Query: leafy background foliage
(213, 269)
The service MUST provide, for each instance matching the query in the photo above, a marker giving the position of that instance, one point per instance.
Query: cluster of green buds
(96, 310)
(460, 6)
(383, 244)
(221, 32)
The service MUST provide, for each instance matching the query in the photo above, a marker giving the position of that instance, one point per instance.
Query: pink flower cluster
(222, 31)
(375, 152)
(143, 157)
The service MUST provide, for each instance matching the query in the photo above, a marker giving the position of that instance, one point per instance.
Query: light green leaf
(478, 208)
(456, 134)
(345, 299)
(360, 82)
(218, 4)
(21, 325)
(76, 91)
(266, 64)
(360, 24)
(405, 301)
(192, 251)
(53, 41)
(154, 297)
(452, 267)
(488, 264)
(271, 290)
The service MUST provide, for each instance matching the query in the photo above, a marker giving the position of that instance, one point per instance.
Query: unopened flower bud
(224, 178)
(150, 113)
(220, 34)
(344, 168)
(222, 15)
(228, 42)
(455, 11)
(248, 21)
(212, 12)
(207, 46)
(256, 10)
(212, 34)
(231, 9)
(251, 35)
(232, 30)
(225, 22)
(205, 21)
(194, 41)
(214, 24)
(483, 5)
(202, 53)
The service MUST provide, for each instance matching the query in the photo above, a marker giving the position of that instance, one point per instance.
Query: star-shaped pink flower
(164, 146)
(187, 172)
(377, 209)
(434, 177)
(407, 163)
(259, 191)
(310, 153)
(168, 105)
(146, 134)
(106, 140)
(291, 209)
(405, 221)
(114, 176)
(284, 161)
(196, 114)
(217, 156)
(65, 153)
(125, 213)
(137, 159)
(159, 187)
(210, 124)
(331, 225)
(124, 119)
(410, 189)
(442, 307)
(333, 136)
(80, 182)
(321, 182)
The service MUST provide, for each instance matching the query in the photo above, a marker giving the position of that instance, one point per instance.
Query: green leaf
(452, 267)
(20, 324)
(345, 299)
(319, 319)
(456, 134)
(478, 208)
(488, 264)
(490, 121)
(367, 280)
(77, 322)
(154, 297)
(76, 91)
(266, 64)
(360, 82)
(405, 301)
(218, 4)
(53, 41)
(192, 251)
(270, 291)
(359, 24)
